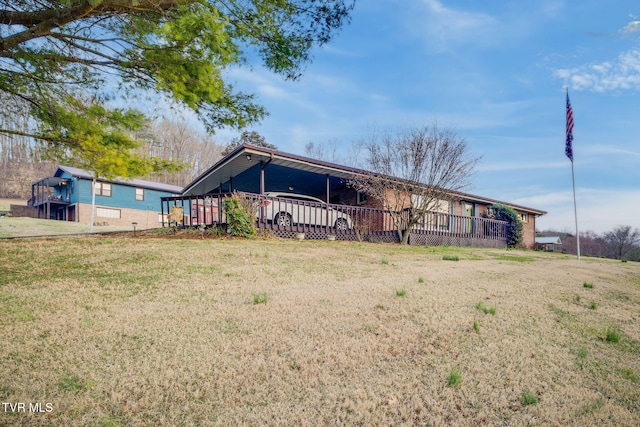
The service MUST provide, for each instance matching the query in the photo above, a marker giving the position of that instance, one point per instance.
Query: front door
(468, 212)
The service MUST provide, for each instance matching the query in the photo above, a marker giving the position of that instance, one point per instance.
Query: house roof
(549, 240)
(141, 183)
(237, 162)
(246, 156)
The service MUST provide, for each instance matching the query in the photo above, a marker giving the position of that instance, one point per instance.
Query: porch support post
(328, 189)
(328, 199)
(162, 200)
(263, 166)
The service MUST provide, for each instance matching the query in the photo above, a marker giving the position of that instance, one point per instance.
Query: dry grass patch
(123, 331)
(24, 227)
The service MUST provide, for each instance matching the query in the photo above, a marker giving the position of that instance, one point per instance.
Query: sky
(497, 72)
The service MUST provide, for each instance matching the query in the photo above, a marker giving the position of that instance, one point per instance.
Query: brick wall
(529, 232)
(145, 219)
(23, 211)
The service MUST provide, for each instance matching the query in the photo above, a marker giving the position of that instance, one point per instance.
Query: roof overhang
(52, 181)
(246, 156)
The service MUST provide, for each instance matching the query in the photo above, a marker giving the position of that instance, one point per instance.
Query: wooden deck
(287, 218)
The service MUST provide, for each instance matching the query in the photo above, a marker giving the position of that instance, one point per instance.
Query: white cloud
(273, 91)
(446, 27)
(631, 27)
(609, 150)
(623, 73)
(497, 167)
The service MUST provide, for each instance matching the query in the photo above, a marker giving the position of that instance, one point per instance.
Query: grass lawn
(24, 227)
(135, 330)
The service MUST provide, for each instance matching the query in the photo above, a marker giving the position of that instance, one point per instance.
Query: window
(107, 213)
(524, 217)
(361, 198)
(139, 193)
(103, 189)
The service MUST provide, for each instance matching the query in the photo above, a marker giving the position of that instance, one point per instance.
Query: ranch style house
(293, 194)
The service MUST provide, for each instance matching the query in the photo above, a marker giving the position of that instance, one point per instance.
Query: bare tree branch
(415, 172)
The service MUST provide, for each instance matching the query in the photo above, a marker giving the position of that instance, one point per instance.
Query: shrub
(514, 225)
(593, 305)
(587, 285)
(476, 326)
(240, 216)
(401, 292)
(450, 258)
(420, 279)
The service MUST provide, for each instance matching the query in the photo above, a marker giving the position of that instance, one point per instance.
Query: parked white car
(287, 209)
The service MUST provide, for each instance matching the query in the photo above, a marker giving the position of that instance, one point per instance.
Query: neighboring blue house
(66, 196)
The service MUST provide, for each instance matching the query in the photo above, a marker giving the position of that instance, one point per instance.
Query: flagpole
(569, 152)
(575, 211)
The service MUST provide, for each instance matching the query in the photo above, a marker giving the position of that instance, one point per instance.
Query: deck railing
(287, 217)
(37, 201)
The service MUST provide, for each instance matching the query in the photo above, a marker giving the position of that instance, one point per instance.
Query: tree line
(622, 242)
(65, 64)
(24, 160)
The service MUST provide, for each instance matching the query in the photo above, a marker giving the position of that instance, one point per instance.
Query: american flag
(568, 149)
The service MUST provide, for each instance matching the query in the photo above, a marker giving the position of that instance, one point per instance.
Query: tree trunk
(405, 236)
(93, 203)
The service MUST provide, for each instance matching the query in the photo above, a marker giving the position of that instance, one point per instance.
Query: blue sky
(494, 71)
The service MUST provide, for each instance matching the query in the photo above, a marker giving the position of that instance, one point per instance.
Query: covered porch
(292, 194)
(343, 222)
(51, 197)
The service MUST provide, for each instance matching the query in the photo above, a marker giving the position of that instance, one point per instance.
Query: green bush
(240, 216)
(514, 225)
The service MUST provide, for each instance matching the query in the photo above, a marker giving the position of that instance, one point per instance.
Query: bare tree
(21, 157)
(415, 172)
(177, 141)
(334, 151)
(622, 241)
